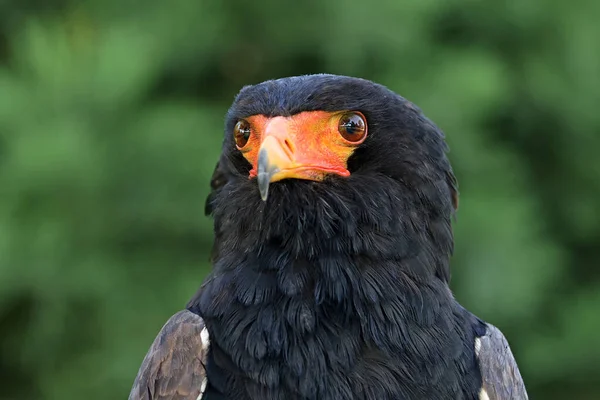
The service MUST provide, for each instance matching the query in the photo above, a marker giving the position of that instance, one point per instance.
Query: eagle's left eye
(353, 126)
(241, 133)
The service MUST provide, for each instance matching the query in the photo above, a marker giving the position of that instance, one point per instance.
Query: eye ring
(241, 133)
(352, 126)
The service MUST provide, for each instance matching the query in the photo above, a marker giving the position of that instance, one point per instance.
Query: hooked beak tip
(263, 186)
(265, 173)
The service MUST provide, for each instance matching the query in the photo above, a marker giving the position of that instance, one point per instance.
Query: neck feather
(329, 291)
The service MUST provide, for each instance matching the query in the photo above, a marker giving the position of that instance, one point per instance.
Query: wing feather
(173, 368)
(499, 371)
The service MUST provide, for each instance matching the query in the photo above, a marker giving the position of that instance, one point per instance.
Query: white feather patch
(477, 346)
(204, 337)
(202, 388)
(483, 395)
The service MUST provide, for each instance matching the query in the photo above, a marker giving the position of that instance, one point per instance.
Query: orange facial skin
(309, 145)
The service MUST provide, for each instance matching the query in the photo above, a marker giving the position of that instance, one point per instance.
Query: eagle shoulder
(501, 379)
(174, 367)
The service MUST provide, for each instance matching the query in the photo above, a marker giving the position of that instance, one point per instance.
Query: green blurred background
(111, 116)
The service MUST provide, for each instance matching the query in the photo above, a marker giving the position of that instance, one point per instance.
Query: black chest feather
(334, 328)
(339, 293)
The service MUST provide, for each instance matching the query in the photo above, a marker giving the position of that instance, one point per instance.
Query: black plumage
(338, 289)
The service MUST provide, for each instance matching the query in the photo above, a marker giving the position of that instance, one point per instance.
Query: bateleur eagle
(332, 203)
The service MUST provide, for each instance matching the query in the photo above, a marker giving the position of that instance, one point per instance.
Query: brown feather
(499, 371)
(173, 368)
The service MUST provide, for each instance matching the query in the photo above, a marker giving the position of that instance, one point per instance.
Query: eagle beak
(277, 156)
(266, 171)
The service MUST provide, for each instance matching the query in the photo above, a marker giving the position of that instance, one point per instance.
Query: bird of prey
(332, 202)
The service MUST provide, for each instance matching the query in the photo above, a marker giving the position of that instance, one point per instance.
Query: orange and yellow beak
(305, 146)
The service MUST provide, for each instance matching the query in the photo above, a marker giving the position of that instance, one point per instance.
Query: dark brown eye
(353, 127)
(241, 133)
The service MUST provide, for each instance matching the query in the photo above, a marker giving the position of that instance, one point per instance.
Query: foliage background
(111, 118)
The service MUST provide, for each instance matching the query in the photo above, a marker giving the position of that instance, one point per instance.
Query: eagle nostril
(289, 147)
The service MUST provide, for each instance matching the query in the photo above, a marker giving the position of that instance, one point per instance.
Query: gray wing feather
(499, 371)
(173, 368)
